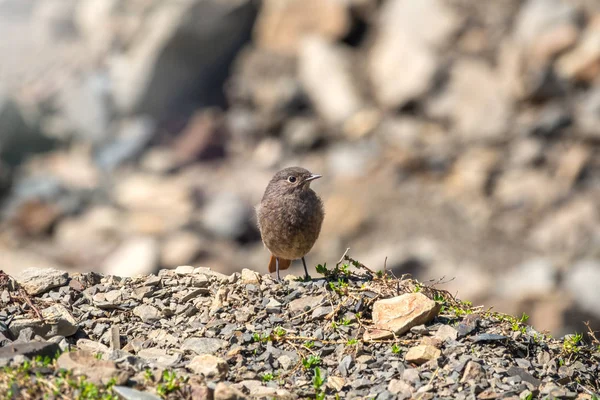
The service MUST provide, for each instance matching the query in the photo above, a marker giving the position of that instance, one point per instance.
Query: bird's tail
(283, 264)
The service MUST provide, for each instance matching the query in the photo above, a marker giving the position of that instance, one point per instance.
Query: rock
(446, 332)
(86, 107)
(400, 388)
(282, 25)
(39, 280)
(249, 276)
(302, 133)
(137, 256)
(587, 114)
(97, 371)
(174, 34)
(53, 21)
(583, 62)
(568, 228)
(180, 248)
(477, 102)
(422, 353)
(147, 313)
(326, 75)
(403, 59)
(127, 393)
(530, 280)
(273, 306)
(185, 270)
(213, 368)
(227, 392)
(395, 316)
(159, 357)
(59, 321)
(353, 160)
(226, 216)
(529, 189)
(537, 17)
(29, 350)
(202, 139)
(94, 20)
(17, 139)
(203, 345)
(305, 303)
(580, 281)
(473, 371)
(472, 171)
(132, 138)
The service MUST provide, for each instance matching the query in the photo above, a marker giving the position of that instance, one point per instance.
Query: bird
(290, 216)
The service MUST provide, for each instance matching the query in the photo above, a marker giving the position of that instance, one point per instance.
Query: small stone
(422, 353)
(398, 314)
(127, 393)
(468, 324)
(213, 368)
(473, 371)
(185, 270)
(40, 280)
(321, 312)
(400, 388)
(273, 306)
(249, 276)
(97, 371)
(159, 357)
(446, 332)
(489, 337)
(147, 313)
(203, 345)
(227, 392)
(336, 382)
(306, 303)
(59, 320)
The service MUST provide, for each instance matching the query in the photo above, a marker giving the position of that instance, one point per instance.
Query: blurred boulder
(582, 282)
(129, 142)
(404, 57)
(531, 279)
(85, 103)
(582, 63)
(181, 55)
(135, 256)
(18, 138)
(181, 248)
(54, 20)
(477, 103)
(282, 24)
(95, 20)
(325, 70)
(588, 114)
(226, 216)
(203, 138)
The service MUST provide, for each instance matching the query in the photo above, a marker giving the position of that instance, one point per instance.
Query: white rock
(582, 281)
(136, 256)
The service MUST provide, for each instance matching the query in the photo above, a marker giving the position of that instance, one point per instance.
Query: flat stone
(488, 337)
(40, 280)
(203, 345)
(60, 320)
(524, 375)
(400, 388)
(127, 393)
(147, 313)
(422, 353)
(446, 332)
(159, 357)
(211, 274)
(212, 367)
(398, 314)
(468, 324)
(185, 270)
(306, 303)
(97, 371)
(227, 392)
(273, 306)
(29, 349)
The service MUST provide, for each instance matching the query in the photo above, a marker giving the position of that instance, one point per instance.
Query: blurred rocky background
(459, 139)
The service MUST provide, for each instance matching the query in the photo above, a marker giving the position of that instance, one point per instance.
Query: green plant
(170, 382)
(318, 382)
(311, 362)
(322, 269)
(351, 342)
(441, 300)
(309, 344)
(417, 288)
(268, 377)
(571, 343)
(260, 338)
(279, 331)
(396, 349)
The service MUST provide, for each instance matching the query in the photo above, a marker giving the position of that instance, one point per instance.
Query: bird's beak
(312, 177)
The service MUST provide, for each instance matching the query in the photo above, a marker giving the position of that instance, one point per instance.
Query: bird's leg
(277, 268)
(307, 276)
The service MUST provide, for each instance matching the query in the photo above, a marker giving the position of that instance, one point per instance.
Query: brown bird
(290, 215)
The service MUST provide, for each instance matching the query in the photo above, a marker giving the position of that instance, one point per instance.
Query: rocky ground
(457, 138)
(196, 333)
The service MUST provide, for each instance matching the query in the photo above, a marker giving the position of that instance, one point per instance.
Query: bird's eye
(292, 179)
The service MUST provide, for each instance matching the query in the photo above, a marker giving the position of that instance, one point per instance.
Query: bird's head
(293, 179)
